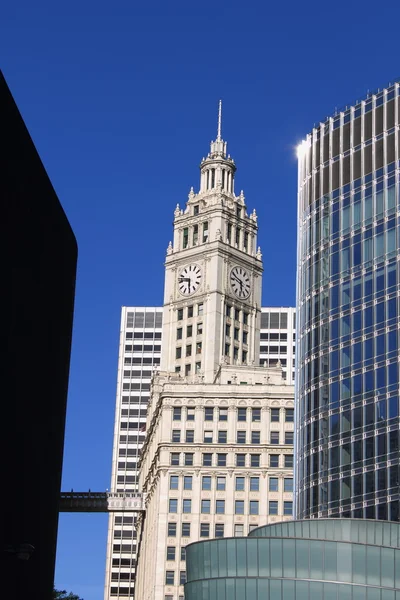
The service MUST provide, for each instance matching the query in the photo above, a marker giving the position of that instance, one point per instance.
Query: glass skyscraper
(347, 372)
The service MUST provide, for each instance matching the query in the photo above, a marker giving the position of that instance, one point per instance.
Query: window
(189, 350)
(288, 484)
(289, 415)
(227, 349)
(177, 413)
(198, 347)
(255, 460)
(188, 368)
(239, 530)
(287, 508)
(196, 209)
(195, 235)
(173, 482)
(220, 507)
(239, 484)
(208, 437)
(176, 435)
(205, 530)
(245, 318)
(223, 414)
(237, 314)
(244, 337)
(177, 369)
(219, 530)
(275, 412)
(190, 312)
(289, 437)
(246, 241)
(205, 506)
(180, 314)
(255, 437)
(189, 331)
(288, 460)
(199, 328)
(185, 529)
(256, 415)
(207, 459)
(241, 414)
(253, 507)
(209, 414)
(239, 507)
(200, 309)
(205, 232)
(227, 330)
(182, 577)
(273, 507)
(221, 460)
(241, 437)
(274, 437)
(179, 333)
(240, 460)
(206, 482)
(190, 413)
(273, 484)
(175, 458)
(170, 552)
(244, 356)
(185, 237)
(274, 460)
(183, 553)
(189, 436)
(254, 484)
(222, 437)
(221, 484)
(235, 353)
(171, 529)
(198, 367)
(236, 334)
(228, 310)
(169, 577)
(187, 482)
(173, 505)
(189, 459)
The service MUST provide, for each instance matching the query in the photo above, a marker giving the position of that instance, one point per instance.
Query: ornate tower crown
(217, 169)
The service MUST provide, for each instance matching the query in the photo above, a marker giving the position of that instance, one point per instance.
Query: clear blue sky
(121, 99)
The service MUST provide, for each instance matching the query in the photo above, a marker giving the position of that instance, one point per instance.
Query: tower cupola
(217, 169)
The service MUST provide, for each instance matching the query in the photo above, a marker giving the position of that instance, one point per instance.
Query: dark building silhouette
(38, 270)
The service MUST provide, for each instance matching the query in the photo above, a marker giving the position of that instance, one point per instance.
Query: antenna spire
(219, 120)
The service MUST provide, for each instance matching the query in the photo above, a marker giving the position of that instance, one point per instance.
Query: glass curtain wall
(347, 374)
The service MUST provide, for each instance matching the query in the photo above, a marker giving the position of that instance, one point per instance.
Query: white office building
(217, 457)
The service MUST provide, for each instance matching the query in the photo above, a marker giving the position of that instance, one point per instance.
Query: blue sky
(121, 101)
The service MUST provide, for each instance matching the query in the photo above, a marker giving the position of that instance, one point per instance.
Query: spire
(219, 121)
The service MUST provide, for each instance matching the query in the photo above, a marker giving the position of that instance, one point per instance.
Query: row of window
(240, 483)
(143, 348)
(190, 311)
(222, 437)
(253, 508)
(143, 335)
(242, 414)
(197, 236)
(238, 315)
(190, 349)
(221, 459)
(141, 360)
(170, 577)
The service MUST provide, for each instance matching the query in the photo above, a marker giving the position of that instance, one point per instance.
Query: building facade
(322, 559)
(139, 354)
(218, 454)
(347, 311)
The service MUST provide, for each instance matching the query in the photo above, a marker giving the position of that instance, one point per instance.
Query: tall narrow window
(205, 232)
(223, 179)
(237, 237)
(212, 178)
(195, 235)
(229, 233)
(246, 242)
(185, 237)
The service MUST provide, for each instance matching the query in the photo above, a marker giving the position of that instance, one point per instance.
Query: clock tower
(212, 297)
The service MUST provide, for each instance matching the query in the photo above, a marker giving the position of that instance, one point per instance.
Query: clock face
(189, 279)
(240, 282)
